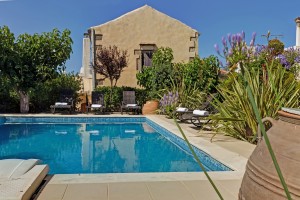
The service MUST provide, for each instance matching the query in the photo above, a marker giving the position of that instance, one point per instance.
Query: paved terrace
(160, 186)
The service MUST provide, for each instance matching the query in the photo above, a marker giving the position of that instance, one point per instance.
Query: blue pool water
(107, 145)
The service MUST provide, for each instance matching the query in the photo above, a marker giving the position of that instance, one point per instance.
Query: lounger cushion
(11, 168)
(131, 105)
(201, 112)
(96, 106)
(181, 109)
(19, 179)
(61, 103)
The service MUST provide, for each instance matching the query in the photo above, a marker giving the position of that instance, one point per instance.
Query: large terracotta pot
(150, 107)
(260, 180)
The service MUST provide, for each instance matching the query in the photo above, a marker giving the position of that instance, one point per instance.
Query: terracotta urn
(150, 107)
(260, 180)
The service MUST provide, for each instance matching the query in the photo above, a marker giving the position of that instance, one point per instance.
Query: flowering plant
(168, 103)
(290, 59)
(235, 49)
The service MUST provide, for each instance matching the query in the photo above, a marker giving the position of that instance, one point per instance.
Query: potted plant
(151, 104)
(156, 77)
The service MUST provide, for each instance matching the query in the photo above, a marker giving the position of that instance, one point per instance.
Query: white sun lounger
(19, 178)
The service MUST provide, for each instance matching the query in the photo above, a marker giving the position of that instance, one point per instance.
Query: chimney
(297, 20)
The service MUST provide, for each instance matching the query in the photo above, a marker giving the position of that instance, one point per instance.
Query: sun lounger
(199, 117)
(196, 117)
(97, 102)
(183, 114)
(19, 178)
(65, 101)
(129, 102)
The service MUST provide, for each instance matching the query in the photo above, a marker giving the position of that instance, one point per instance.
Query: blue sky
(213, 19)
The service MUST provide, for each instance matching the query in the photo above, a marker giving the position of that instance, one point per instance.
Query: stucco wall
(147, 26)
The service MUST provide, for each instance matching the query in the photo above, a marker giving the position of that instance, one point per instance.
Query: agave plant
(272, 88)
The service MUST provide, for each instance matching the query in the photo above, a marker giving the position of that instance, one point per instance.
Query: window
(147, 57)
(98, 36)
(192, 49)
(99, 82)
(146, 53)
(98, 47)
(193, 39)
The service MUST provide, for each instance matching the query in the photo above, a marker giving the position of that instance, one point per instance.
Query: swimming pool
(78, 145)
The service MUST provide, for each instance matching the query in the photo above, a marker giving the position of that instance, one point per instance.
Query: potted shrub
(156, 77)
(151, 105)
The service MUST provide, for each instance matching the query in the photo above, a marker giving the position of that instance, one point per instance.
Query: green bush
(44, 95)
(41, 96)
(201, 73)
(198, 76)
(9, 99)
(158, 76)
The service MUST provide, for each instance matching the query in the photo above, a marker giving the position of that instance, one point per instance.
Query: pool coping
(229, 158)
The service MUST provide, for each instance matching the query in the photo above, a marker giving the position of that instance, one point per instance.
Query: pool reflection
(94, 148)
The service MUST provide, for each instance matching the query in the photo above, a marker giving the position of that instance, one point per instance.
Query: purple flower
(258, 50)
(284, 61)
(217, 48)
(253, 37)
(224, 41)
(243, 35)
(252, 43)
(229, 37)
(238, 38)
(233, 39)
(243, 49)
(168, 100)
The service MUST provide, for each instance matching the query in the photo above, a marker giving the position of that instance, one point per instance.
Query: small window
(192, 49)
(98, 37)
(99, 82)
(145, 53)
(147, 58)
(193, 38)
(97, 47)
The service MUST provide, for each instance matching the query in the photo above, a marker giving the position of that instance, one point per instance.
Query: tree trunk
(111, 88)
(111, 82)
(24, 102)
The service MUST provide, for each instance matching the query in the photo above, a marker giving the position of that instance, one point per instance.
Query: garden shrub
(168, 103)
(158, 76)
(190, 80)
(276, 47)
(45, 94)
(9, 99)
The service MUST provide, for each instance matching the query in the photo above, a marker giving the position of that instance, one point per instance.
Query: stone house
(140, 32)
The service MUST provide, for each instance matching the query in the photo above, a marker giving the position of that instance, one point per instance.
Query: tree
(110, 62)
(37, 58)
(7, 53)
(159, 75)
(44, 94)
(276, 47)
